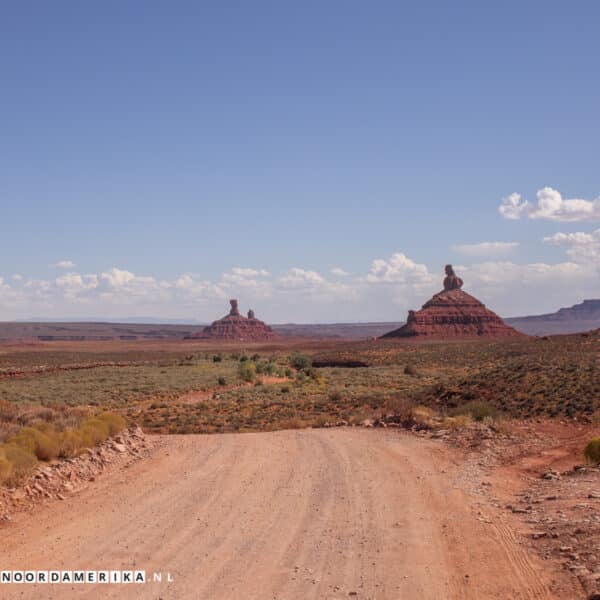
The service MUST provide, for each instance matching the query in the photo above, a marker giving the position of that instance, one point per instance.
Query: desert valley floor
(306, 469)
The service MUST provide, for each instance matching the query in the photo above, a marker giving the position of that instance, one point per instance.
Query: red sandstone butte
(453, 313)
(237, 327)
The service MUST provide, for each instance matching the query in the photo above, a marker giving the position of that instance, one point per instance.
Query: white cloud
(517, 289)
(386, 291)
(63, 264)
(398, 269)
(301, 278)
(550, 206)
(244, 277)
(581, 247)
(485, 249)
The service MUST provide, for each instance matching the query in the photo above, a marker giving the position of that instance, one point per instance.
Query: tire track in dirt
(305, 514)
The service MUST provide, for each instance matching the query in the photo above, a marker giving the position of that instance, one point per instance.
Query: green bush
(247, 371)
(217, 358)
(300, 361)
(222, 381)
(592, 451)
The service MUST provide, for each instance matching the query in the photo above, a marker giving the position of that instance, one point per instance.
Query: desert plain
(299, 468)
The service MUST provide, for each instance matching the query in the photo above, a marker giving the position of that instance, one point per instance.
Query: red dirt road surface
(344, 513)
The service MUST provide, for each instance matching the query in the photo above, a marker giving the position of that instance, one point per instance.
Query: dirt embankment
(329, 513)
(62, 478)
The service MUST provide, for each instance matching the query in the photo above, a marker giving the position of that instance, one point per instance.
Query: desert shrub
(243, 358)
(21, 461)
(94, 431)
(8, 411)
(5, 470)
(222, 381)
(285, 389)
(335, 396)
(300, 361)
(44, 445)
(267, 368)
(247, 371)
(592, 451)
(410, 370)
(115, 422)
(288, 373)
(423, 415)
(217, 358)
(457, 422)
(400, 406)
(70, 443)
(255, 357)
(477, 409)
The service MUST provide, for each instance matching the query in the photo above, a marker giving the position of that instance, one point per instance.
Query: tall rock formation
(235, 326)
(453, 313)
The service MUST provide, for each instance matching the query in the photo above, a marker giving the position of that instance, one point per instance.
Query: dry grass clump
(592, 451)
(400, 407)
(42, 441)
(477, 409)
(457, 422)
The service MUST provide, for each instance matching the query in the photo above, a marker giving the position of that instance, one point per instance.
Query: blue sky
(175, 139)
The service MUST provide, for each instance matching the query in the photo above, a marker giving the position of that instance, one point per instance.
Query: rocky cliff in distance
(574, 319)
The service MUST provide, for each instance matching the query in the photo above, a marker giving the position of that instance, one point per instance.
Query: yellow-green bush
(115, 422)
(21, 462)
(45, 446)
(20, 453)
(5, 469)
(70, 443)
(592, 451)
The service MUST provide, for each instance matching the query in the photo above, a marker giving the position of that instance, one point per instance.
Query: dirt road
(345, 513)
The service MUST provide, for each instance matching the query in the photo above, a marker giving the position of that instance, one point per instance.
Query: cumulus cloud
(532, 288)
(398, 269)
(581, 247)
(550, 206)
(485, 249)
(63, 264)
(301, 278)
(386, 291)
(244, 277)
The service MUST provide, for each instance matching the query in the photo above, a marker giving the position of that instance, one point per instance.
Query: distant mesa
(453, 313)
(235, 326)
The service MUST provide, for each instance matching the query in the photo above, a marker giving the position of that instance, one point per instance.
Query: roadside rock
(58, 479)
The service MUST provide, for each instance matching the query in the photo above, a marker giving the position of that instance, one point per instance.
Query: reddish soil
(203, 395)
